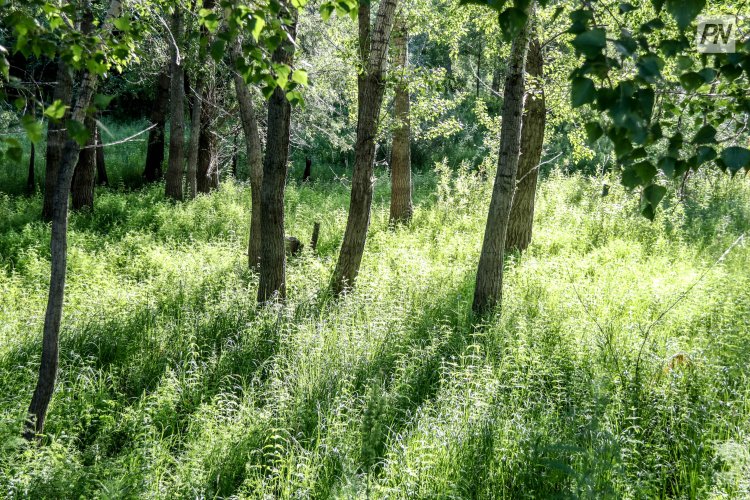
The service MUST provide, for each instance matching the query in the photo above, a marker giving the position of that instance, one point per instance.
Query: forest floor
(618, 367)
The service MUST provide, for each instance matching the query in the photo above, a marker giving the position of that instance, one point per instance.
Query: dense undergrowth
(602, 378)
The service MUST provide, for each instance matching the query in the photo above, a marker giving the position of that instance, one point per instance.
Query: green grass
(174, 384)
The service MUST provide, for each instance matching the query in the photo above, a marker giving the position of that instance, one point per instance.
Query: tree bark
(254, 159)
(207, 164)
(370, 87)
(102, 179)
(176, 165)
(82, 188)
(272, 284)
(308, 169)
(56, 137)
(31, 177)
(401, 205)
(195, 131)
(532, 139)
(58, 253)
(155, 152)
(488, 289)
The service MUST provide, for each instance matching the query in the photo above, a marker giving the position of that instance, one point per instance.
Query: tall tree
(401, 204)
(56, 136)
(373, 46)
(58, 253)
(272, 283)
(176, 165)
(254, 158)
(488, 289)
(155, 151)
(532, 140)
(102, 179)
(207, 165)
(195, 131)
(82, 187)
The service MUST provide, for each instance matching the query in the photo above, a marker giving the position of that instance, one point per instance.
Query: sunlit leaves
(32, 127)
(56, 110)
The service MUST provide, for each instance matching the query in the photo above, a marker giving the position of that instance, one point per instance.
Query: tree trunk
(58, 254)
(207, 164)
(177, 120)
(532, 140)
(370, 88)
(272, 284)
(488, 290)
(31, 177)
(102, 179)
(401, 206)
(308, 169)
(56, 137)
(82, 188)
(254, 160)
(195, 131)
(155, 152)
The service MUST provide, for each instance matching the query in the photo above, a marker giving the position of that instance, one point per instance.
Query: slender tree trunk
(308, 169)
(488, 290)
(102, 179)
(177, 120)
(532, 140)
(195, 131)
(479, 68)
(31, 177)
(272, 283)
(401, 206)
(82, 188)
(56, 136)
(254, 159)
(370, 88)
(207, 144)
(155, 152)
(58, 253)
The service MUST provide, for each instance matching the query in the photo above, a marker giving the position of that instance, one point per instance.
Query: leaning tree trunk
(176, 165)
(401, 205)
(195, 131)
(254, 159)
(370, 87)
(58, 256)
(102, 179)
(488, 290)
(56, 136)
(532, 140)
(155, 151)
(82, 187)
(272, 285)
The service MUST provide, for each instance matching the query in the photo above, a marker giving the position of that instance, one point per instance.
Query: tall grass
(174, 384)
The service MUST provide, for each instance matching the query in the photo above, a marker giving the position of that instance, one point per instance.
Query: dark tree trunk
(401, 205)
(532, 140)
(31, 177)
(82, 187)
(254, 159)
(155, 152)
(207, 165)
(195, 131)
(58, 256)
(56, 137)
(315, 235)
(177, 120)
(272, 285)
(370, 88)
(308, 170)
(488, 290)
(102, 179)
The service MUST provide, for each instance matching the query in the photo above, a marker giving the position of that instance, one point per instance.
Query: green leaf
(299, 76)
(691, 80)
(282, 74)
(590, 43)
(512, 21)
(684, 11)
(56, 110)
(708, 74)
(593, 131)
(736, 158)
(649, 67)
(705, 153)
(667, 165)
(217, 50)
(645, 170)
(101, 101)
(122, 24)
(706, 135)
(32, 127)
(582, 91)
(257, 23)
(78, 132)
(650, 199)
